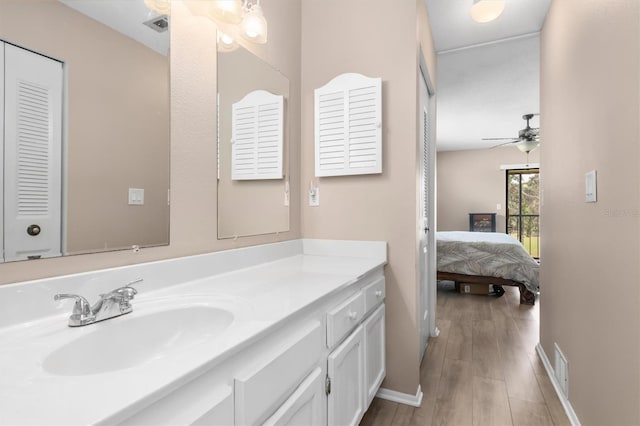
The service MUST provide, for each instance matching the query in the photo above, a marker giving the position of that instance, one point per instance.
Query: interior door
(425, 213)
(1, 150)
(32, 155)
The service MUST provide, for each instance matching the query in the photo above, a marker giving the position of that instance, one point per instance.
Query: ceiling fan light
(527, 145)
(484, 11)
(254, 25)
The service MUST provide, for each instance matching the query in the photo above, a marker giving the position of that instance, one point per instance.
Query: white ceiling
(126, 17)
(488, 74)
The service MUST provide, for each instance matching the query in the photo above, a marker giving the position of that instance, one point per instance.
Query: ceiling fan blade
(499, 139)
(506, 143)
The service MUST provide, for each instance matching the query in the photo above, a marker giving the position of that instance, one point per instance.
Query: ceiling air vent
(158, 23)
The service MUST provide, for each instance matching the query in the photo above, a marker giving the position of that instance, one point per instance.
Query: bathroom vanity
(285, 333)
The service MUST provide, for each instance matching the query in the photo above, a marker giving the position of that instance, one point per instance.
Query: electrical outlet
(314, 197)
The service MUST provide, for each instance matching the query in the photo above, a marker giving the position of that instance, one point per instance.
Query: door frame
(426, 273)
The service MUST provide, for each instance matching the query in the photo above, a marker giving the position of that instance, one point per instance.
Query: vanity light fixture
(483, 11)
(254, 24)
(227, 11)
(226, 43)
(162, 7)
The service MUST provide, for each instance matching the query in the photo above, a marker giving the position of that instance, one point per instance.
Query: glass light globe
(254, 25)
(484, 11)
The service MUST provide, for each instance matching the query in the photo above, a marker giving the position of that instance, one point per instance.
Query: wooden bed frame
(526, 296)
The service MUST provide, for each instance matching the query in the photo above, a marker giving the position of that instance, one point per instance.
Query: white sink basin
(131, 339)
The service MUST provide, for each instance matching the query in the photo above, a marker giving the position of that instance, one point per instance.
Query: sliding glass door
(523, 208)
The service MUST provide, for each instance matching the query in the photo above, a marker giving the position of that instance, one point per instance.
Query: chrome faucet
(112, 304)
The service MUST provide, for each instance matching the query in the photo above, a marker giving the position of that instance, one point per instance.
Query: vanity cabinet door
(304, 406)
(345, 368)
(262, 387)
(374, 359)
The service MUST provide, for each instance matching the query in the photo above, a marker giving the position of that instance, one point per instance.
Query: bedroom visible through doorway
(523, 208)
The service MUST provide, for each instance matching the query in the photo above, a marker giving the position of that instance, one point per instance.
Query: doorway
(426, 215)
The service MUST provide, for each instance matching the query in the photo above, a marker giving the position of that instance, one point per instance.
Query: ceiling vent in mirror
(159, 23)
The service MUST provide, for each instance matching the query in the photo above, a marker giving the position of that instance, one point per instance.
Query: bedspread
(487, 254)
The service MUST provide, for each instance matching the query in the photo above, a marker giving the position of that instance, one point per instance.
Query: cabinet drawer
(260, 390)
(344, 317)
(373, 294)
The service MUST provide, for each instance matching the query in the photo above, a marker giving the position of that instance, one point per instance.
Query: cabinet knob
(353, 315)
(378, 293)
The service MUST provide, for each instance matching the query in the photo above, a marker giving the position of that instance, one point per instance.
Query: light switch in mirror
(114, 118)
(255, 205)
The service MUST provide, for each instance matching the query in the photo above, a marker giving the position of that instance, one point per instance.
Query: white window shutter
(348, 126)
(257, 136)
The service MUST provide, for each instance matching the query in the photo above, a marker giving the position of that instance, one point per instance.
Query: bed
(487, 258)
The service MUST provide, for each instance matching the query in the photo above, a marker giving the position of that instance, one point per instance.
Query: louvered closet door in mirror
(32, 155)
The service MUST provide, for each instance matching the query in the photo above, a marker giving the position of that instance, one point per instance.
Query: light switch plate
(590, 187)
(136, 196)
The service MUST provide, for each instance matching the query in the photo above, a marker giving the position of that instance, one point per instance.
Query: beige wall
(249, 207)
(377, 41)
(470, 181)
(117, 124)
(590, 274)
(193, 157)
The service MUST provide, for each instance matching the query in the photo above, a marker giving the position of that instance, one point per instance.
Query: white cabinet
(305, 406)
(374, 353)
(345, 368)
(264, 386)
(203, 401)
(309, 372)
(343, 318)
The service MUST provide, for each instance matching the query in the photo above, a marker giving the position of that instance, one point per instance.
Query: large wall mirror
(253, 101)
(114, 148)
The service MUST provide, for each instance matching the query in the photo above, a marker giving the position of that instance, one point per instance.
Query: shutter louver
(33, 118)
(257, 137)
(348, 126)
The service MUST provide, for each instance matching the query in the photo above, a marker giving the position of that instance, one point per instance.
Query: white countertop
(260, 297)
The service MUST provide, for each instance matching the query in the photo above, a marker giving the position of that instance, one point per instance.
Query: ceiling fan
(528, 138)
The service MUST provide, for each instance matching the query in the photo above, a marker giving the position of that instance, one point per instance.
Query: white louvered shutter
(257, 136)
(32, 143)
(348, 126)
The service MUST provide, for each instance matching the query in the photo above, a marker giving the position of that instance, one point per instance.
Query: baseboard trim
(402, 398)
(568, 409)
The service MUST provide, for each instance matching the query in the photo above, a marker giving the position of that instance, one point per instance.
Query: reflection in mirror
(113, 128)
(257, 204)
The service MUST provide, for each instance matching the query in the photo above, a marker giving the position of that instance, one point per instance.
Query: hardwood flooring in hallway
(482, 370)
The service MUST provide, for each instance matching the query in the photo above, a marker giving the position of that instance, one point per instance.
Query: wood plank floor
(482, 370)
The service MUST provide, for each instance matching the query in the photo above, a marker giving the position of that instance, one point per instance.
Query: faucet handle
(136, 281)
(81, 306)
(81, 314)
(126, 292)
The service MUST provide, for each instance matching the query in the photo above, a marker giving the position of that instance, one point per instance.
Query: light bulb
(484, 11)
(226, 43)
(254, 25)
(228, 11)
